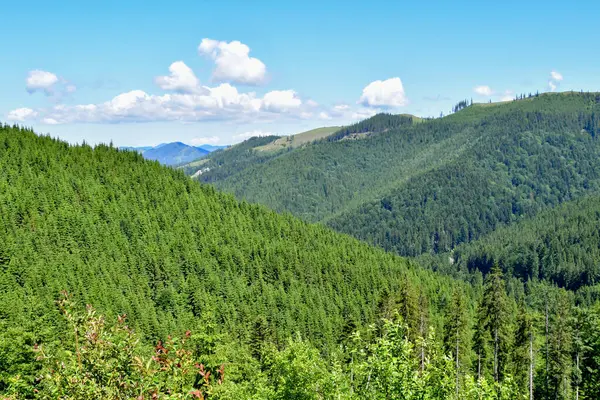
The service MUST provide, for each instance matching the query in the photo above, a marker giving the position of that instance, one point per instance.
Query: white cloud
(223, 102)
(323, 115)
(554, 81)
(21, 114)
(39, 80)
(388, 93)
(341, 107)
(363, 114)
(182, 79)
(281, 100)
(49, 84)
(49, 121)
(199, 141)
(556, 76)
(248, 135)
(483, 90)
(312, 103)
(233, 62)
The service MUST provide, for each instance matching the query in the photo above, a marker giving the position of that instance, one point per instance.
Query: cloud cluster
(233, 62)
(384, 94)
(185, 99)
(220, 102)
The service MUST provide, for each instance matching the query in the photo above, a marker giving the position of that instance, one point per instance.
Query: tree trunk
(547, 351)
(577, 383)
(531, 365)
(496, 354)
(457, 364)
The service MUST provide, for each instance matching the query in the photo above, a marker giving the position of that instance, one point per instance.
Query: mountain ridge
(337, 181)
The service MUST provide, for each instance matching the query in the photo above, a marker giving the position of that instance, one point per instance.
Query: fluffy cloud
(388, 93)
(233, 62)
(554, 81)
(21, 114)
(281, 100)
(556, 76)
(483, 90)
(218, 103)
(43, 81)
(182, 79)
(48, 83)
(324, 116)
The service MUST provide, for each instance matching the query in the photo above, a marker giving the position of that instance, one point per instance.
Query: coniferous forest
(477, 277)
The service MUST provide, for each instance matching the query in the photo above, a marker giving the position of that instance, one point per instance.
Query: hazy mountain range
(174, 153)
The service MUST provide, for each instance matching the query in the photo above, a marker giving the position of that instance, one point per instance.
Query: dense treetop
(427, 187)
(272, 307)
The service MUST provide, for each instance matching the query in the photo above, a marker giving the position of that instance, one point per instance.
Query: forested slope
(131, 236)
(268, 306)
(426, 187)
(560, 245)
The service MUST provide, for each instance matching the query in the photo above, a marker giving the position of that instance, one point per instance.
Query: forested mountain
(561, 245)
(263, 306)
(426, 186)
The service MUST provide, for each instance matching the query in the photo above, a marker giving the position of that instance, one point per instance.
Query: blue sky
(100, 71)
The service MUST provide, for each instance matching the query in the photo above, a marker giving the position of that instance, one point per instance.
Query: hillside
(429, 186)
(560, 245)
(256, 294)
(133, 237)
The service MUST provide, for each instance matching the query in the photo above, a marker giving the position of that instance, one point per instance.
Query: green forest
(425, 186)
(477, 277)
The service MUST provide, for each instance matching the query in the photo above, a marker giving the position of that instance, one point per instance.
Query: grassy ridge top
(298, 139)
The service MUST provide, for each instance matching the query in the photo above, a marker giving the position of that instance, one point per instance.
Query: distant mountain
(174, 153)
(210, 148)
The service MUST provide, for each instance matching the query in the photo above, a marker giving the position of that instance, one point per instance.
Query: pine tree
(524, 350)
(496, 309)
(456, 334)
